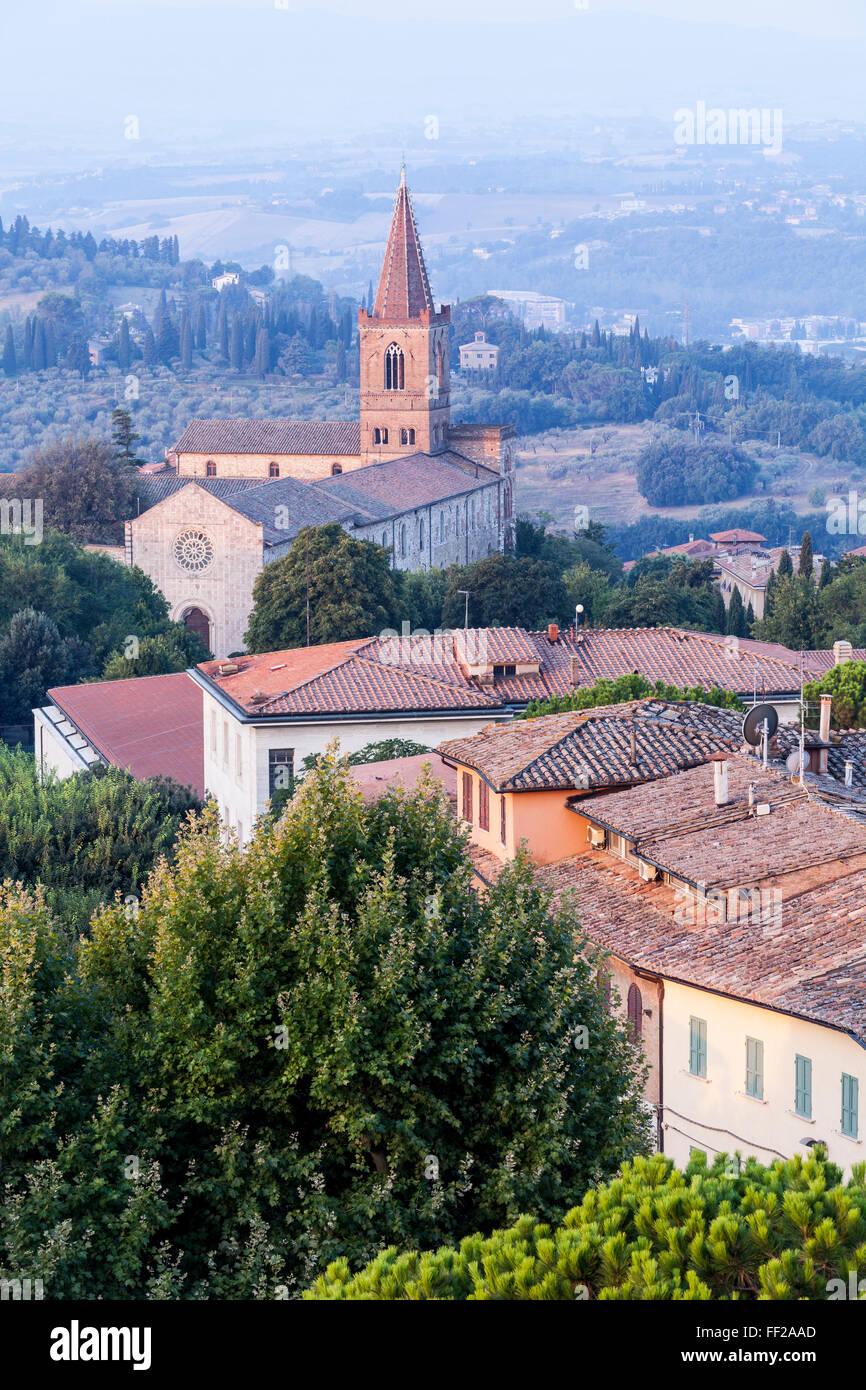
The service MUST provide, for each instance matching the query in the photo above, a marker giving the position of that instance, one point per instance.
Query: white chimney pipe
(826, 706)
(720, 778)
(849, 774)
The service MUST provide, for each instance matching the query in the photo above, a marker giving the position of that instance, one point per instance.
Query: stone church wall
(232, 553)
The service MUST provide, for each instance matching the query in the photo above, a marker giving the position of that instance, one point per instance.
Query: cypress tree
(201, 329)
(223, 331)
(236, 353)
(826, 574)
(124, 350)
(736, 624)
(10, 365)
(185, 342)
(786, 565)
(806, 561)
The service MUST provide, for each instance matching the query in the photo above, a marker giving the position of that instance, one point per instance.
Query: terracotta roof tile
(151, 725)
(593, 748)
(807, 956)
(270, 437)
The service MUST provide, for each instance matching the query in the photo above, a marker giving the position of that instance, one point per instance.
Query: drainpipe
(660, 1136)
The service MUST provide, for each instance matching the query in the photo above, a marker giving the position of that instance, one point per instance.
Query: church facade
(402, 475)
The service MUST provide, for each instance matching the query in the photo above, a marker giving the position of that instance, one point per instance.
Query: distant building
(479, 355)
(228, 277)
(536, 310)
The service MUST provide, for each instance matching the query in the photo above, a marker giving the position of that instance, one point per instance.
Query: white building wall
(241, 788)
(717, 1115)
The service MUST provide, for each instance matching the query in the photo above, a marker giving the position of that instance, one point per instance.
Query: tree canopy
(300, 1051)
(734, 1229)
(344, 584)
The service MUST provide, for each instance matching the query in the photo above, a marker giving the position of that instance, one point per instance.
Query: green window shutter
(850, 1102)
(803, 1086)
(698, 1046)
(755, 1068)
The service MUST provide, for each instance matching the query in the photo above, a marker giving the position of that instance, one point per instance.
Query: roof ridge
(419, 675)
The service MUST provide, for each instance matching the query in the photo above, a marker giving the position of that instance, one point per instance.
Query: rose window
(193, 551)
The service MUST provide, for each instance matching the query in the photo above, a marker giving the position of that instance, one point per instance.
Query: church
(238, 491)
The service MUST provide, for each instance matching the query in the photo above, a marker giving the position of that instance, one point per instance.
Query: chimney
(824, 727)
(842, 652)
(552, 632)
(575, 671)
(720, 788)
(633, 748)
(849, 774)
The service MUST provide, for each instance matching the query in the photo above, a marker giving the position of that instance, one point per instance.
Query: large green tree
(87, 837)
(301, 1051)
(33, 657)
(86, 492)
(506, 591)
(847, 685)
(342, 585)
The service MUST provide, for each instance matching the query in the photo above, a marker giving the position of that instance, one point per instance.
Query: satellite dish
(753, 724)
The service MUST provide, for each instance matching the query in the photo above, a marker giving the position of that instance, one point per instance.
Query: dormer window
(502, 672)
(394, 368)
(210, 469)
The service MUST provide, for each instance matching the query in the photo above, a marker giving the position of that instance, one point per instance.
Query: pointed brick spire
(404, 290)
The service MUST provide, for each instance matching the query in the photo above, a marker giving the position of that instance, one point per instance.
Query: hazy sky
(830, 18)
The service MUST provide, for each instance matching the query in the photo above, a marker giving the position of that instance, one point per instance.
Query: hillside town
(433, 730)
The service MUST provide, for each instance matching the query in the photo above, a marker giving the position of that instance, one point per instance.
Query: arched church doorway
(194, 620)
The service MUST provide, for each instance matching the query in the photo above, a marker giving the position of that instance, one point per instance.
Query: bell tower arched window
(210, 469)
(394, 368)
(273, 469)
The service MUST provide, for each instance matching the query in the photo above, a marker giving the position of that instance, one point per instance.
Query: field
(598, 466)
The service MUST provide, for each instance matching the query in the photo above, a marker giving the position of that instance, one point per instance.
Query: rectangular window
(226, 742)
(213, 731)
(281, 770)
(239, 757)
(483, 806)
(755, 1068)
(803, 1086)
(698, 1046)
(467, 797)
(850, 1100)
(502, 821)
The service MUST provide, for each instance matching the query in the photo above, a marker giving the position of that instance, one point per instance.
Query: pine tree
(9, 363)
(123, 436)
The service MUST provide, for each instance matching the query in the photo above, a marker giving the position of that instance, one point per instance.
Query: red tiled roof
(404, 290)
(809, 958)
(683, 659)
(736, 537)
(270, 437)
(151, 725)
(593, 748)
(378, 675)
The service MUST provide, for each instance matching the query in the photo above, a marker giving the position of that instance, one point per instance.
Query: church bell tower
(405, 350)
